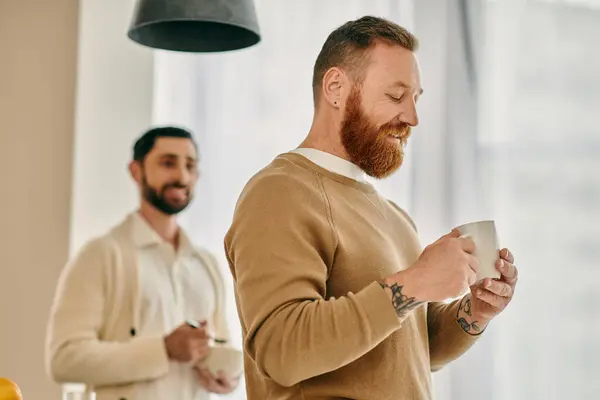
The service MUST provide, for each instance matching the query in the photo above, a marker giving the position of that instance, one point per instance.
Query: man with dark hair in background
(336, 297)
(136, 309)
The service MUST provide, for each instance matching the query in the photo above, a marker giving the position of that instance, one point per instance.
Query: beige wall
(38, 45)
(72, 100)
(115, 80)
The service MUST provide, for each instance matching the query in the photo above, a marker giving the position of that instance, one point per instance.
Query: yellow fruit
(9, 390)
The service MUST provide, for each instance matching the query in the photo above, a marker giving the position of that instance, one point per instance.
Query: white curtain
(539, 138)
(506, 133)
(511, 134)
(521, 82)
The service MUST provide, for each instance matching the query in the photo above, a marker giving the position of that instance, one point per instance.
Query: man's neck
(324, 135)
(163, 224)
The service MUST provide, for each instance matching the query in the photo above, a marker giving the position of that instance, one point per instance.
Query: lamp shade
(195, 26)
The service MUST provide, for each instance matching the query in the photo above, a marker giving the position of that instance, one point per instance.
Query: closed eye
(394, 98)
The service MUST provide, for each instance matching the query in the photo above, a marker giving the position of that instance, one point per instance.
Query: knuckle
(501, 290)
(494, 287)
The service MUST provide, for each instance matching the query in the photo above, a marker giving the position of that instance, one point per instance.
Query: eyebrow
(172, 155)
(404, 85)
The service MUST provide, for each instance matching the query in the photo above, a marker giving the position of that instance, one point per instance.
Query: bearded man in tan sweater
(336, 297)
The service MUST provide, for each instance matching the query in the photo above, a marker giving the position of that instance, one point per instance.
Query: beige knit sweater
(306, 249)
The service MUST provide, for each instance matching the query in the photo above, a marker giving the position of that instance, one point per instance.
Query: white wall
(114, 106)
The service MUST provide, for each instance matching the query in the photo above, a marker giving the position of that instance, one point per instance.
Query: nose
(182, 174)
(409, 114)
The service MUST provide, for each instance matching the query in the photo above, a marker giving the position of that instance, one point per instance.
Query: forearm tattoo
(402, 303)
(465, 307)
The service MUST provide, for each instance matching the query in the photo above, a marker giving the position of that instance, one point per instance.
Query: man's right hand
(187, 344)
(446, 269)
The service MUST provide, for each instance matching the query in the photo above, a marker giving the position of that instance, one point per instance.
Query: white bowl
(226, 359)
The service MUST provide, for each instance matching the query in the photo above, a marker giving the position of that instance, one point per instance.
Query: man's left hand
(219, 384)
(492, 296)
(489, 297)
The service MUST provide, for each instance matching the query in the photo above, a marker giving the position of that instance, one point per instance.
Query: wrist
(470, 322)
(166, 348)
(410, 279)
(401, 293)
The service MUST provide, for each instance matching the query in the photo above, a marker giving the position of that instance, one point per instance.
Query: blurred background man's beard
(159, 200)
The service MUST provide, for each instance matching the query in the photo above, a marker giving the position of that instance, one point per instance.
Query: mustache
(394, 128)
(175, 185)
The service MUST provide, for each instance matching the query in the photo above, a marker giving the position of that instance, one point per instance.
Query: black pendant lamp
(195, 26)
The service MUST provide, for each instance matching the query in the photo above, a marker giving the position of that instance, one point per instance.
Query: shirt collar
(144, 235)
(332, 163)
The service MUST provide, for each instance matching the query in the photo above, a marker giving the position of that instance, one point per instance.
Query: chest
(173, 288)
(375, 240)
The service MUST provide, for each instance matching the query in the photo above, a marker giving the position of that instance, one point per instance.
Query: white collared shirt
(174, 286)
(332, 163)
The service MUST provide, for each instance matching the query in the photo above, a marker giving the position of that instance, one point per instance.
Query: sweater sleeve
(447, 340)
(280, 247)
(74, 352)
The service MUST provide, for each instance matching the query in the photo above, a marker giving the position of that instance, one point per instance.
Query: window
(540, 139)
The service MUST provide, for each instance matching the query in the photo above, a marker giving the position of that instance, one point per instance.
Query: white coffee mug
(487, 251)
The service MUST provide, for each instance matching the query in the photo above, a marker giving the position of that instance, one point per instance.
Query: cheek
(381, 118)
(386, 113)
(155, 179)
(381, 113)
(194, 178)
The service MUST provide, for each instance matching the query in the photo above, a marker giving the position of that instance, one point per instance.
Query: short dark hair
(348, 46)
(146, 142)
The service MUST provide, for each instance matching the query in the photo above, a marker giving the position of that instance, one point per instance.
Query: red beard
(368, 146)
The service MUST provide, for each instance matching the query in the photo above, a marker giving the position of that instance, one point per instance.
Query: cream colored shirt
(175, 286)
(95, 334)
(332, 163)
